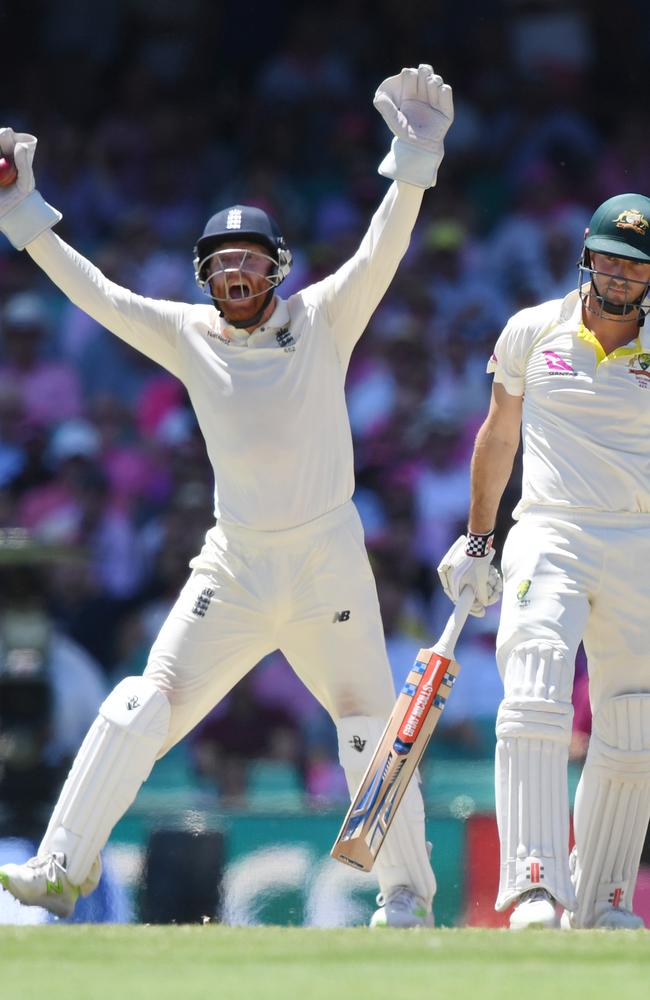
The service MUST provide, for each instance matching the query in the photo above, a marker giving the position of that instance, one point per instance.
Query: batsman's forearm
(492, 463)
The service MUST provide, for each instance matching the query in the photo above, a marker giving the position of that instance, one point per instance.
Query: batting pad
(114, 759)
(404, 857)
(612, 807)
(532, 797)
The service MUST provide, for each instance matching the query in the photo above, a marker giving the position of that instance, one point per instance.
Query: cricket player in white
(285, 566)
(575, 375)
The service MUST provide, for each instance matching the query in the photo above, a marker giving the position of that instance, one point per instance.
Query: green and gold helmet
(621, 227)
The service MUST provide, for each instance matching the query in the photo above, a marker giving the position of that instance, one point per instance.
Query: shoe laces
(52, 863)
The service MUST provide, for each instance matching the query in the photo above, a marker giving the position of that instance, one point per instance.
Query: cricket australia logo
(557, 365)
(640, 369)
(202, 602)
(357, 743)
(633, 219)
(233, 219)
(522, 593)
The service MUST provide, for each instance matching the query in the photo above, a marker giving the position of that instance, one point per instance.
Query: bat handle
(447, 642)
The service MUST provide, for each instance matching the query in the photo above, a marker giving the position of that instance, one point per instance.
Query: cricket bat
(399, 751)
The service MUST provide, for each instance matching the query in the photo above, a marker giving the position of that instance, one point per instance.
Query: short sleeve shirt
(586, 414)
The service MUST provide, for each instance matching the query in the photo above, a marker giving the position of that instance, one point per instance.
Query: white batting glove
(468, 564)
(24, 214)
(418, 108)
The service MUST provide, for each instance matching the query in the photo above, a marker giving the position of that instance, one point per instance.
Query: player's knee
(620, 737)
(139, 707)
(358, 736)
(538, 681)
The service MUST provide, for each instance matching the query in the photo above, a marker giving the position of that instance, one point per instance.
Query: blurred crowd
(152, 116)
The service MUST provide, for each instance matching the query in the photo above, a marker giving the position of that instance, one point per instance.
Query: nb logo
(132, 703)
(341, 616)
(357, 743)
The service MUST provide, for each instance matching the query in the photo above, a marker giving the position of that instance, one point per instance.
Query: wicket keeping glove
(418, 108)
(468, 564)
(24, 214)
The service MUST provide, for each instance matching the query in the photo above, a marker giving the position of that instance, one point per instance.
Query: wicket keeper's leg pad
(116, 756)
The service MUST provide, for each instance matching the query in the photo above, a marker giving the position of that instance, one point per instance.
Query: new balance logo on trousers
(341, 616)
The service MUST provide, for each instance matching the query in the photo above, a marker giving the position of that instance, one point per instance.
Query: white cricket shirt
(586, 415)
(271, 405)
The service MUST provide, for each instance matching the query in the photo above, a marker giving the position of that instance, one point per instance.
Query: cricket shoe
(608, 918)
(401, 908)
(535, 910)
(43, 881)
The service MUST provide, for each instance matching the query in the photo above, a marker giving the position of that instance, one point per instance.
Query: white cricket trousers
(308, 591)
(589, 579)
(569, 576)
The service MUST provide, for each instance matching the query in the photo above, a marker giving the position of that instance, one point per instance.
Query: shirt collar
(263, 335)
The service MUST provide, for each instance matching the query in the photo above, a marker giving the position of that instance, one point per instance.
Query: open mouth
(240, 290)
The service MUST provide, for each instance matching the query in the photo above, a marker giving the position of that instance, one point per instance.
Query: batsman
(285, 566)
(574, 375)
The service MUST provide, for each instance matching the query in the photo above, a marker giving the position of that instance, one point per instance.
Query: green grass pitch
(265, 963)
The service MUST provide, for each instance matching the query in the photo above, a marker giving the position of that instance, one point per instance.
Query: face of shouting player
(618, 280)
(239, 278)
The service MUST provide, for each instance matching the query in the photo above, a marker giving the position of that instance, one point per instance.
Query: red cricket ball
(8, 172)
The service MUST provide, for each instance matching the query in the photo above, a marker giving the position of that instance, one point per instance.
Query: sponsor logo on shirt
(522, 593)
(219, 336)
(640, 369)
(557, 365)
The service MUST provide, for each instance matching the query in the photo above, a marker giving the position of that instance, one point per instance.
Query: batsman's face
(618, 279)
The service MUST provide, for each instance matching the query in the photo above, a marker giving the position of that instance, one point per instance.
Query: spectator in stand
(76, 508)
(49, 389)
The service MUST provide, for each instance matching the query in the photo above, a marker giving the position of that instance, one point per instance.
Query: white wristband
(28, 219)
(411, 164)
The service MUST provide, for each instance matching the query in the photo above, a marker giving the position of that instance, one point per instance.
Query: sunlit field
(224, 963)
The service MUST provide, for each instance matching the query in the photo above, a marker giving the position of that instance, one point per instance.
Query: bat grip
(447, 641)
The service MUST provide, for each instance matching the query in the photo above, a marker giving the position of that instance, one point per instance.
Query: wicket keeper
(285, 566)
